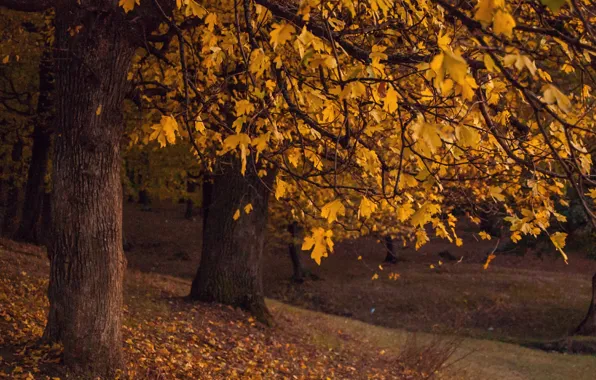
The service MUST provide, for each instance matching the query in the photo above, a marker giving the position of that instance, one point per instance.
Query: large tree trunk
(11, 213)
(35, 187)
(588, 325)
(85, 246)
(231, 263)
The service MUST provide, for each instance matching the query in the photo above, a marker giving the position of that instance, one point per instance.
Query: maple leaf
(280, 189)
(194, 9)
(165, 131)
(427, 136)
(503, 23)
(366, 208)
(129, 5)
(332, 209)
(320, 242)
(240, 141)
(248, 208)
(558, 240)
(424, 214)
(390, 101)
(244, 107)
(281, 33)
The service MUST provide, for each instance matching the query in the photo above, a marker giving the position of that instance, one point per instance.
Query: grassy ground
(166, 337)
(343, 326)
(518, 299)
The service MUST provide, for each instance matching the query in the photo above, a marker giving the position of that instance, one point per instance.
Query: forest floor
(344, 325)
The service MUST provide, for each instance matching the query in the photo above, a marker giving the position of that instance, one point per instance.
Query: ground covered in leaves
(166, 337)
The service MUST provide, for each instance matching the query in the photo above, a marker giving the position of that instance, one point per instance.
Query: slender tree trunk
(588, 325)
(85, 248)
(231, 263)
(190, 188)
(298, 274)
(35, 187)
(11, 214)
(391, 256)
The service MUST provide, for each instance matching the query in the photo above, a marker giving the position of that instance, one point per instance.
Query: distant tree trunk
(588, 325)
(391, 256)
(11, 214)
(46, 218)
(35, 187)
(85, 246)
(191, 187)
(144, 200)
(299, 273)
(231, 263)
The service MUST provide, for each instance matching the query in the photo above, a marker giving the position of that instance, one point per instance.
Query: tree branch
(27, 5)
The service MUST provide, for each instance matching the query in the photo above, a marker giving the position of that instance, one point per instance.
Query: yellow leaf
(552, 95)
(375, 277)
(484, 11)
(281, 33)
(280, 189)
(332, 209)
(320, 242)
(98, 110)
(489, 258)
(427, 136)
(128, 5)
(244, 107)
(165, 131)
(503, 23)
(194, 9)
(490, 64)
(425, 214)
(467, 136)
(455, 66)
(390, 101)
(199, 125)
(210, 21)
(496, 193)
(236, 215)
(241, 141)
(248, 208)
(6, 59)
(484, 236)
(558, 239)
(366, 208)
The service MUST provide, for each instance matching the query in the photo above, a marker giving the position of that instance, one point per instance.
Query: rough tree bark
(230, 271)
(588, 325)
(29, 226)
(85, 248)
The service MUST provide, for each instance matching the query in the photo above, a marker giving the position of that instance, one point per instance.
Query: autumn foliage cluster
(393, 118)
